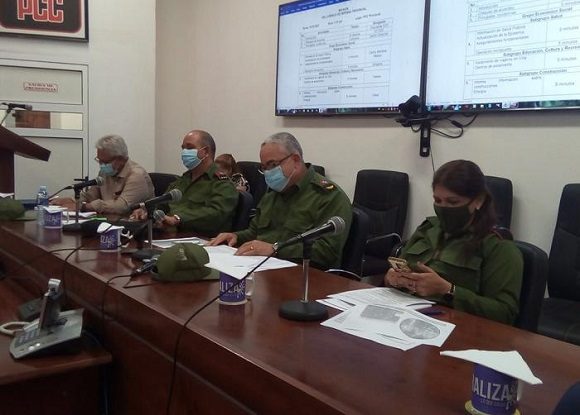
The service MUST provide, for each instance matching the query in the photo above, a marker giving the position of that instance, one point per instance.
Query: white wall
(216, 67)
(120, 55)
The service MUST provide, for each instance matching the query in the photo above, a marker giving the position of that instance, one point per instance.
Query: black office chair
(501, 190)
(560, 316)
(353, 251)
(161, 182)
(318, 169)
(533, 285)
(243, 209)
(383, 195)
(251, 171)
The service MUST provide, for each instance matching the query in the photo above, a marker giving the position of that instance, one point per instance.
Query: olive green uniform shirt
(305, 205)
(487, 284)
(207, 204)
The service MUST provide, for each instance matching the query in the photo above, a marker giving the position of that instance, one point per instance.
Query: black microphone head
(338, 224)
(28, 107)
(175, 194)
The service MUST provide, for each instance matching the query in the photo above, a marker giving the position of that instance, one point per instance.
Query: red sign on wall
(65, 19)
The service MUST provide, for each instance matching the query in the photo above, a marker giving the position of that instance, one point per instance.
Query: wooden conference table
(244, 359)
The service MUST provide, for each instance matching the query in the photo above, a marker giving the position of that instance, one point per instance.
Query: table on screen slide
(519, 48)
(345, 59)
(246, 359)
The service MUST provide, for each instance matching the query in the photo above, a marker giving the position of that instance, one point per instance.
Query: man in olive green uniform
(298, 199)
(209, 198)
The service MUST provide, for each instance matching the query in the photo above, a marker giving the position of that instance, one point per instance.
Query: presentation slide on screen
(335, 54)
(503, 53)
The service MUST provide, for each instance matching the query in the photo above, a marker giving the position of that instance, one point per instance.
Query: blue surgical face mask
(107, 169)
(275, 179)
(189, 158)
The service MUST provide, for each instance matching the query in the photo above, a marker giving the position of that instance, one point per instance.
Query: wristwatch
(449, 295)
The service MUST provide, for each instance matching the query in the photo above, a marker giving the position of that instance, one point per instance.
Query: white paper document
(510, 363)
(106, 227)
(394, 326)
(337, 322)
(72, 213)
(223, 259)
(5, 195)
(168, 243)
(71, 221)
(384, 296)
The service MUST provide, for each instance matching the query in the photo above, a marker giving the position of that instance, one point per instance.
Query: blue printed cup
(52, 218)
(232, 291)
(492, 392)
(110, 240)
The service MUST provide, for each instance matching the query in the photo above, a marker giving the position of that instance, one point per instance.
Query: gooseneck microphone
(173, 195)
(12, 105)
(97, 181)
(335, 225)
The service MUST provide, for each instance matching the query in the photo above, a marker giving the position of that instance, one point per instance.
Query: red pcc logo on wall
(61, 18)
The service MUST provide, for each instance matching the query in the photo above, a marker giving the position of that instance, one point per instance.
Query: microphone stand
(304, 310)
(149, 252)
(75, 227)
(8, 112)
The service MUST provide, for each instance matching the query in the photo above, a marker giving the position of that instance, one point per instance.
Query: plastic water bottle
(41, 200)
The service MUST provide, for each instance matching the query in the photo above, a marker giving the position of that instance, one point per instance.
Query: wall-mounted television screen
(495, 55)
(348, 56)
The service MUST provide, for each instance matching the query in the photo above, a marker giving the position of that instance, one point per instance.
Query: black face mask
(453, 219)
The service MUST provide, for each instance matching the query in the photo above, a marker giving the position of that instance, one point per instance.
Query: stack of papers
(168, 243)
(223, 259)
(375, 296)
(394, 326)
(386, 316)
(85, 215)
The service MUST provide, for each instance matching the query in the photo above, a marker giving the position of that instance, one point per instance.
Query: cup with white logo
(235, 291)
(493, 393)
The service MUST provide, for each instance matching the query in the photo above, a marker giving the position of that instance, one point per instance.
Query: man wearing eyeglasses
(209, 198)
(124, 181)
(298, 199)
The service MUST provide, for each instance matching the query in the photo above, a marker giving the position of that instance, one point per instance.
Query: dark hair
(229, 162)
(465, 178)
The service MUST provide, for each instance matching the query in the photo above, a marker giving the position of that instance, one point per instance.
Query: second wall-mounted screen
(503, 55)
(348, 56)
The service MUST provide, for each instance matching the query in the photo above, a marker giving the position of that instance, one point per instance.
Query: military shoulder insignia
(221, 176)
(325, 184)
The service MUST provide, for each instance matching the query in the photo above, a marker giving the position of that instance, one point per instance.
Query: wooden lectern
(10, 144)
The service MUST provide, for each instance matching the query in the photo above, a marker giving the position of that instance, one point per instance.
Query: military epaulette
(221, 176)
(325, 184)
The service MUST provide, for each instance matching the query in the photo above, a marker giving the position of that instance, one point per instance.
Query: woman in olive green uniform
(456, 257)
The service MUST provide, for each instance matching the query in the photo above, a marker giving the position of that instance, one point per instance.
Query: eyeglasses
(272, 164)
(102, 161)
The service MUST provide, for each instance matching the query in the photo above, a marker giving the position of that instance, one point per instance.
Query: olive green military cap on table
(11, 209)
(184, 262)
